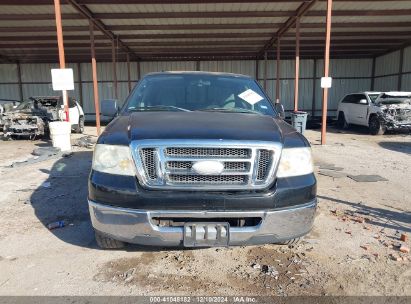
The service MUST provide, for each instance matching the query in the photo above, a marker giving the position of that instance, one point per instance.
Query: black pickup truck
(200, 159)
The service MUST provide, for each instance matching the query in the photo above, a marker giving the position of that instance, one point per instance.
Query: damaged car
(380, 112)
(395, 112)
(31, 117)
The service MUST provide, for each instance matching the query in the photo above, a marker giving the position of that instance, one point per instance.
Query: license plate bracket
(206, 234)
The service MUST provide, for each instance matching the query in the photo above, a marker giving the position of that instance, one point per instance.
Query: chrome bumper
(136, 226)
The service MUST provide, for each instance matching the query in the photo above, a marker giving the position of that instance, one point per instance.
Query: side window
(358, 97)
(347, 99)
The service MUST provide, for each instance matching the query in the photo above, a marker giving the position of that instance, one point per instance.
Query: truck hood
(193, 125)
(203, 125)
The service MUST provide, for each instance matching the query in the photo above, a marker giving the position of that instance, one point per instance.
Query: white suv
(379, 111)
(358, 109)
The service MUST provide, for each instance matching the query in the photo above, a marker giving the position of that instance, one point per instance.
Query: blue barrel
(299, 120)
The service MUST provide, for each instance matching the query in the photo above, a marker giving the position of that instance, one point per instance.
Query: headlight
(113, 160)
(295, 162)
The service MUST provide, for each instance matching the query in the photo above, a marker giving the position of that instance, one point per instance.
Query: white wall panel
(388, 83)
(407, 60)
(387, 64)
(8, 73)
(246, 67)
(159, 66)
(9, 91)
(406, 83)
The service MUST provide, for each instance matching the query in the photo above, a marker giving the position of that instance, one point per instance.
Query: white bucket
(60, 135)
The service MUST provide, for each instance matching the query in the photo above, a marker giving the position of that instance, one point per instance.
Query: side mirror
(109, 107)
(280, 110)
(363, 101)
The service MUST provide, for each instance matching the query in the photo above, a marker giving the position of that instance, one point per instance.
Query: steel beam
(62, 60)
(278, 58)
(297, 63)
(326, 71)
(128, 73)
(94, 73)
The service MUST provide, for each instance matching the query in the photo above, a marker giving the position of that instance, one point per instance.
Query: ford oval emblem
(208, 167)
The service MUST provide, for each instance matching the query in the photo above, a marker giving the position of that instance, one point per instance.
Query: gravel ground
(352, 250)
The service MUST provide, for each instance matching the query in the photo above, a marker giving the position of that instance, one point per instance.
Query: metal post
(19, 80)
(256, 69)
(80, 84)
(265, 71)
(277, 86)
(373, 73)
(57, 13)
(94, 73)
(400, 69)
(138, 70)
(128, 73)
(326, 71)
(314, 89)
(297, 63)
(113, 56)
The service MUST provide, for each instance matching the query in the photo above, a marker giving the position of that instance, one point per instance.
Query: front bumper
(137, 226)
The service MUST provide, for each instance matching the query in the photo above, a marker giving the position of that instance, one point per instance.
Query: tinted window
(194, 92)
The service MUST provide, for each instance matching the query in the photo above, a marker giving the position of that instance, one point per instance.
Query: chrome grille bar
(247, 165)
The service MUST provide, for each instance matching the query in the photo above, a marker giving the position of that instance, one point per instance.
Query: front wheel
(105, 242)
(341, 122)
(292, 242)
(375, 126)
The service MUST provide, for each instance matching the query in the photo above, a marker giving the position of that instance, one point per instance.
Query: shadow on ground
(403, 147)
(384, 218)
(66, 199)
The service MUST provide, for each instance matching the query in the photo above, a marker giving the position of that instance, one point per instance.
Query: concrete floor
(351, 250)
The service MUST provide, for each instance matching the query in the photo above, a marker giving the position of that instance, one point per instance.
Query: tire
(80, 126)
(375, 126)
(292, 242)
(105, 242)
(341, 122)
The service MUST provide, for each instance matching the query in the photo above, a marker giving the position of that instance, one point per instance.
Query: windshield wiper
(158, 108)
(235, 110)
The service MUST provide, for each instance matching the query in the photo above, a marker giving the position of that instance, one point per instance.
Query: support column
(326, 71)
(373, 73)
(128, 73)
(400, 69)
(265, 71)
(277, 86)
(80, 84)
(297, 63)
(62, 59)
(94, 73)
(256, 69)
(314, 88)
(19, 81)
(113, 56)
(138, 70)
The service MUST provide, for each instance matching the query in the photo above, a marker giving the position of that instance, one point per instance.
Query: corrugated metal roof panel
(363, 5)
(348, 19)
(167, 21)
(189, 31)
(196, 7)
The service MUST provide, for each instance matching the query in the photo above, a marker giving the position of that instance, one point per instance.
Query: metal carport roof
(195, 29)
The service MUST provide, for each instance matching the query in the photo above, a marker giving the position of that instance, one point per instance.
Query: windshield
(199, 92)
(373, 97)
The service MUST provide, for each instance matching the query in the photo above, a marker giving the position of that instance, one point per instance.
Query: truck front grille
(168, 164)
